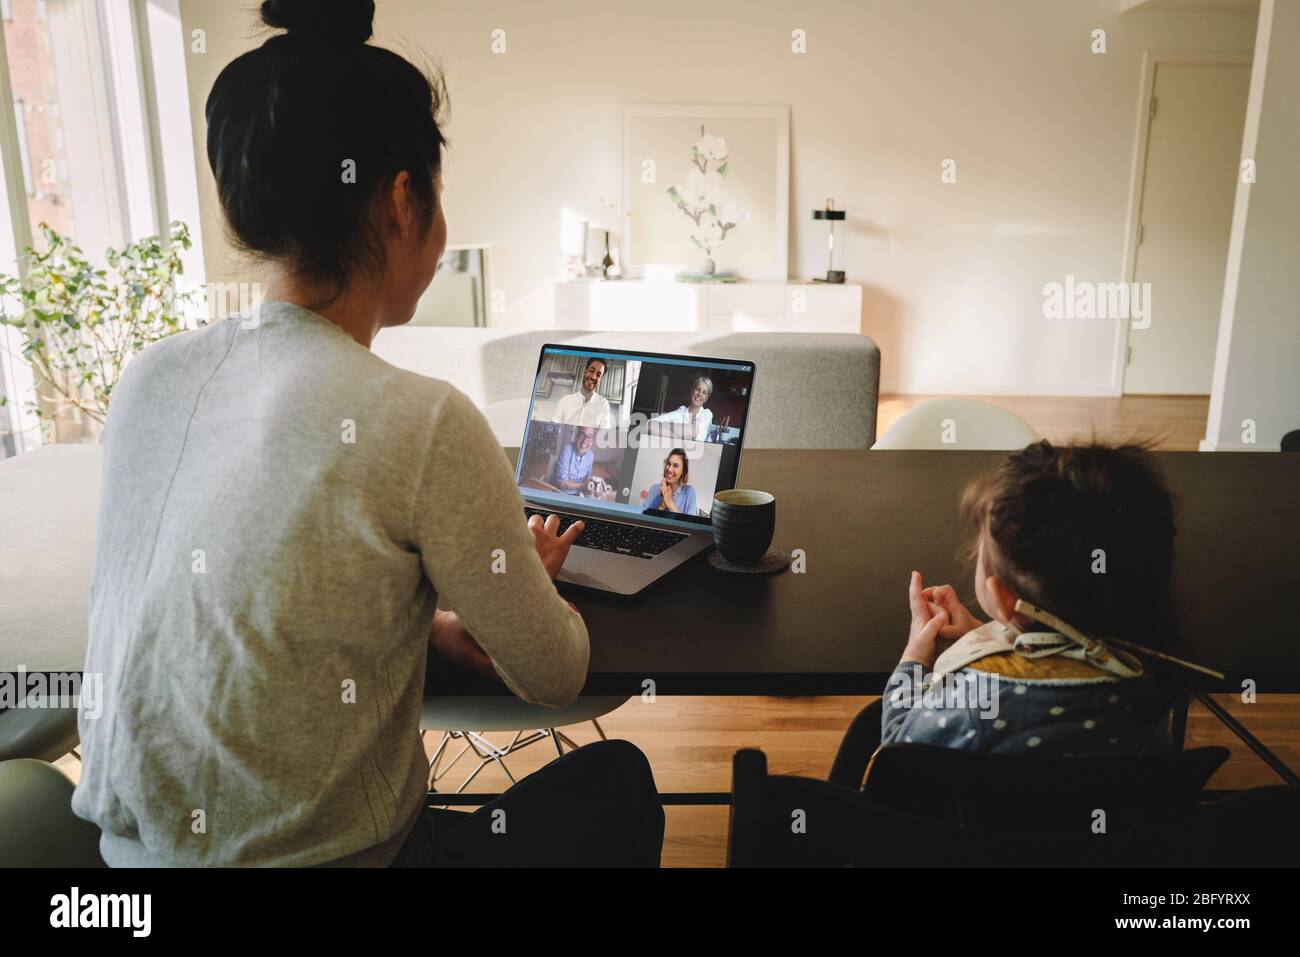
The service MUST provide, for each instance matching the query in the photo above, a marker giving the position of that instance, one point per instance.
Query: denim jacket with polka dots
(1010, 704)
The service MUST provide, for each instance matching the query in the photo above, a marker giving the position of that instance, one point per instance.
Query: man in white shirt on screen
(586, 406)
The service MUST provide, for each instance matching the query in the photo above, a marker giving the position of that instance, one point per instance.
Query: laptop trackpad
(625, 574)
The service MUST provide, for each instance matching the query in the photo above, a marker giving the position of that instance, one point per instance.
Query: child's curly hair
(1053, 517)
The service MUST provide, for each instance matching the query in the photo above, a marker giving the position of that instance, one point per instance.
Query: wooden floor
(690, 741)
(1174, 423)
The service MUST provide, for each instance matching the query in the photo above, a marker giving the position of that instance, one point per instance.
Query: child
(1084, 533)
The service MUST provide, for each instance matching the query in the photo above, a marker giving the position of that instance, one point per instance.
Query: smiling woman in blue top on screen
(673, 493)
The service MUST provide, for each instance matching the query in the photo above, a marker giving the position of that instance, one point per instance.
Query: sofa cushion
(811, 390)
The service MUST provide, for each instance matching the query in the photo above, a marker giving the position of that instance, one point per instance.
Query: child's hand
(927, 621)
(960, 620)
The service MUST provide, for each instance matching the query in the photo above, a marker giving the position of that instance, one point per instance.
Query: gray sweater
(282, 512)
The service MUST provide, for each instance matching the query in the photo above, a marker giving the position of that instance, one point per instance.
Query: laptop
(635, 444)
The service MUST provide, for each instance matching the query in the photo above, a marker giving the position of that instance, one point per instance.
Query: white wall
(1042, 131)
(1257, 364)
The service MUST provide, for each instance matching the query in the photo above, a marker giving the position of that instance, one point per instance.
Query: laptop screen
(629, 433)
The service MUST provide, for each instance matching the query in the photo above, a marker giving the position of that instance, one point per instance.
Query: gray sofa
(811, 390)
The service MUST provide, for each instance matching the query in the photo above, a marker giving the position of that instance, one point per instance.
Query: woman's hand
(666, 493)
(960, 620)
(451, 640)
(927, 620)
(552, 549)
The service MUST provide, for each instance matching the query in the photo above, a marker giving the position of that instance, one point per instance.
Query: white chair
(958, 424)
(451, 715)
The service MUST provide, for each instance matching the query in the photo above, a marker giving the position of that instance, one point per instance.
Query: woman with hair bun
(291, 525)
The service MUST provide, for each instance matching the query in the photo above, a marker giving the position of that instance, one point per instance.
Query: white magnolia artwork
(706, 190)
(704, 198)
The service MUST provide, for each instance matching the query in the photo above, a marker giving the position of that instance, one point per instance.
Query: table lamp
(602, 243)
(833, 216)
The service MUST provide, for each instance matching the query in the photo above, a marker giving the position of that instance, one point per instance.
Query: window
(20, 124)
(93, 148)
(59, 69)
(19, 431)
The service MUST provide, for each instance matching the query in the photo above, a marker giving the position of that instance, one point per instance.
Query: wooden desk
(864, 519)
(50, 498)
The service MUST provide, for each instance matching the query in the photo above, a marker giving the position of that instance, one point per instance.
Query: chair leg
(1256, 745)
(437, 756)
(489, 749)
(531, 739)
(1178, 722)
(488, 753)
(860, 742)
(472, 775)
(452, 763)
(484, 761)
(501, 754)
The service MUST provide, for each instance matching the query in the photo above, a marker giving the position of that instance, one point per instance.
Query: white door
(1188, 191)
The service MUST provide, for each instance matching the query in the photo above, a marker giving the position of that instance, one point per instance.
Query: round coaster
(774, 560)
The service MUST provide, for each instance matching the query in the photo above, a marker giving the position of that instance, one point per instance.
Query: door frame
(1137, 182)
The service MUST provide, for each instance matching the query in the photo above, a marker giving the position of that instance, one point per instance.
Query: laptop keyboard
(635, 540)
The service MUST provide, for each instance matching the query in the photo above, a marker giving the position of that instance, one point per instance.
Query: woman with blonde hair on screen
(691, 421)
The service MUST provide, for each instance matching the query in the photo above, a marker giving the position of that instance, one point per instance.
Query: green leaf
(64, 294)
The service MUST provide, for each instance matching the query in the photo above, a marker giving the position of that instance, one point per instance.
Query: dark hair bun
(287, 120)
(327, 21)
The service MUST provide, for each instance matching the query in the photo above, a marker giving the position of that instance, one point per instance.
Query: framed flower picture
(706, 189)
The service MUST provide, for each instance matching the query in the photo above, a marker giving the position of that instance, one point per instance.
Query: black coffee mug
(743, 522)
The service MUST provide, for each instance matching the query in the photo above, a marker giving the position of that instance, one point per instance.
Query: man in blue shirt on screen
(573, 467)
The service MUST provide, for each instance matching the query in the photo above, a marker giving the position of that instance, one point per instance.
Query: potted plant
(79, 325)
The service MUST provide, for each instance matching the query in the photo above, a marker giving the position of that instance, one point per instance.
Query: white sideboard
(637, 304)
